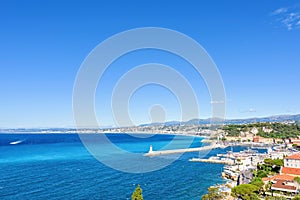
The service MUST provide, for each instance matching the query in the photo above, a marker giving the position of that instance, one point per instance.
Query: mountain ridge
(273, 118)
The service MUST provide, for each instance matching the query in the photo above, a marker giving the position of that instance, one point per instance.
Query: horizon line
(146, 123)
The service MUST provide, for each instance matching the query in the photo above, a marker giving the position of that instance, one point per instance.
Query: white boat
(16, 142)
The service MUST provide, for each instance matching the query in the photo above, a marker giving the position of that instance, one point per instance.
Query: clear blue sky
(255, 44)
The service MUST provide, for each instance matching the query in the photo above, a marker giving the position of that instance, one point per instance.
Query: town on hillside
(268, 169)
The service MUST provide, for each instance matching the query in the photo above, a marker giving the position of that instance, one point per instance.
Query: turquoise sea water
(58, 166)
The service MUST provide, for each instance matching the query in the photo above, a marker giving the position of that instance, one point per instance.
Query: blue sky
(255, 45)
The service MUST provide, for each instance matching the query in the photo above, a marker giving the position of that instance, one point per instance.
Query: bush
(213, 194)
(257, 182)
(245, 191)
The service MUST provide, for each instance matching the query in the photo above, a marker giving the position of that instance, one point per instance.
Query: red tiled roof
(294, 156)
(284, 177)
(279, 177)
(290, 170)
(281, 185)
(267, 179)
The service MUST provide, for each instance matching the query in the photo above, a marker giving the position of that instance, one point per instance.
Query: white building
(292, 161)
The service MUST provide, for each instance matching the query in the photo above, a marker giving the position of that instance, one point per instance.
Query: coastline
(104, 132)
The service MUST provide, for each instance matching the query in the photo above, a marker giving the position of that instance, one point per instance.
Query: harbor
(240, 166)
(151, 152)
(239, 162)
(216, 160)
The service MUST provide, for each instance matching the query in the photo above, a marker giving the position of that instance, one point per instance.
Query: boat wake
(16, 142)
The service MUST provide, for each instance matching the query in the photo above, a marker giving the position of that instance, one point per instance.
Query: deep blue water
(58, 166)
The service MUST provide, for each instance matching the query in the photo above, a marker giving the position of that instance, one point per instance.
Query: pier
(174, 151)
(218, 161)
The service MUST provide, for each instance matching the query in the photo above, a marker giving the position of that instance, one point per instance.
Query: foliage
(245, 191)
(262, 174)
(296, 197)
(137, 194)
(279, 130)
(274, 164)
(257, 182)
(269, 167)
(232, 130)
(253, 197)
(213, 194)
(297, 179)
(268, 186)
(256, 186)
(275, 198)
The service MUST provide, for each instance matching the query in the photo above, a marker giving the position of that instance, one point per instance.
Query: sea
(60, 166)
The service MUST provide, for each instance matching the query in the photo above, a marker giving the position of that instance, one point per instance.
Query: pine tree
(137, 194)
(213, 194)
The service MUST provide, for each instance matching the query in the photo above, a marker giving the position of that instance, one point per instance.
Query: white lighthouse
(150, 149)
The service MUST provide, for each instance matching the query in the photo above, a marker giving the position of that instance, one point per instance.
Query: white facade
(293, 163)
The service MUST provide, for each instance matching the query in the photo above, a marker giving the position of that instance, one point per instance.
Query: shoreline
(92, 133)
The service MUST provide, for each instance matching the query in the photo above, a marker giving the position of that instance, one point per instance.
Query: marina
(175, 151)
(213, 160)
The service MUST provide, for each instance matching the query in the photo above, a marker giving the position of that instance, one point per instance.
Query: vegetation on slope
(256, 187)
(276, 130)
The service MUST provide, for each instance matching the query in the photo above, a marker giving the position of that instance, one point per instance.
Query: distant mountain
(276, 118)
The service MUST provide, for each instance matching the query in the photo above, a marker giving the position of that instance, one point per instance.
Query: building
(263, 140)
(290, 171)
(284, 186)
(291, 165)
(284, 181)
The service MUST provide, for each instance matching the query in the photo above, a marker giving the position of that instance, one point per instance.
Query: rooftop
(283, 185)
(279, 177)
(290, 170)
(295, 156)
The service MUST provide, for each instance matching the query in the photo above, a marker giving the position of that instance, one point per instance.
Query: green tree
(253, 197)
(257, 182)
(279, 130)
(268, 186)
(275, 198)
(245, 192)
(297, 179)
(262, 174)
(296, 197)
(275, 162)
(213, 194)
(272, 165)
(137, 194)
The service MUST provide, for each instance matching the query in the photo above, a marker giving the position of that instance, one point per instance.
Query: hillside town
(268, 169)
